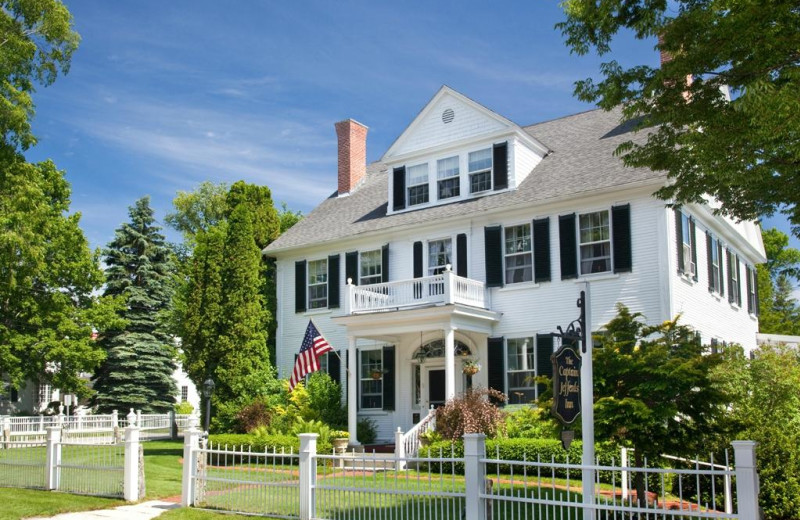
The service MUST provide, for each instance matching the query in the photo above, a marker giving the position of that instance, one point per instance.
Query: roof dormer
(457, 149)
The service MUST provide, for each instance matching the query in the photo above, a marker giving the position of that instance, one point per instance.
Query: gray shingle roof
(581, 161)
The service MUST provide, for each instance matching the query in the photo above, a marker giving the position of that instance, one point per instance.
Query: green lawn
(198, 514)
(162, 468)
(23, 503)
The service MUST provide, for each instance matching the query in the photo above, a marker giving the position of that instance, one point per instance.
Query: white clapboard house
(469, 240)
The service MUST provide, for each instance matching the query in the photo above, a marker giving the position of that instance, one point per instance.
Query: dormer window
(480, 171)
(417, 183)
(448, 178)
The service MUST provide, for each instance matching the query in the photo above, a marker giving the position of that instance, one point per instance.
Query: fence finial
(132, 418)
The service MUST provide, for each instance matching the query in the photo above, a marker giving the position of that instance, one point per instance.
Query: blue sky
(164, 95)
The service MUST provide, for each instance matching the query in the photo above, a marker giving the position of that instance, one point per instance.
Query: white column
(131, 471)
(53, 457)
(624, 463)
(747, 485)
(474, 475)
(191, 439)
(587, 410)
(449, 285)
(352, 391)
(308, 474)
(449, 363)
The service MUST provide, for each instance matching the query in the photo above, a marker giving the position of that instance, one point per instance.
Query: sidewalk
(142, 511)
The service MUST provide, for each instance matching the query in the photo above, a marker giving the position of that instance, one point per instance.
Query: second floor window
(518, 257)
(595, 242)
(317, 284)
(448, 180)
(715, 279)
(370, 267)
(417, 183)
(480, 171)
(440, 253)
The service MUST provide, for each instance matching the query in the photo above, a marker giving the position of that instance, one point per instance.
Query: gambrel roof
(580, 163)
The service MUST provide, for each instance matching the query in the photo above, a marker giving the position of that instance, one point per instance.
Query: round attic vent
(448, 115)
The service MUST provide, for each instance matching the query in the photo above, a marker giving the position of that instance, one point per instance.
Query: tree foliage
(653, 389)
(47, 279)
(744, 152)
(779, 312)
(137, 372)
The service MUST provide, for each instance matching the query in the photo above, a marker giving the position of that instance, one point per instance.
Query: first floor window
(184, 393)
(480, 170)
(371, 267)
(45, 393)
(521, 365)
(318, 284)
(519, 261)
(417, 183)
(448, 180)
(371, 376)
(595, 242)
(440, 253)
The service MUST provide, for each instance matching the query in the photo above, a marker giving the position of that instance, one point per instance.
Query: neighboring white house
(468, 240)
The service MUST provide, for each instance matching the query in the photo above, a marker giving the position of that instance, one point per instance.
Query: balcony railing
(445, 288)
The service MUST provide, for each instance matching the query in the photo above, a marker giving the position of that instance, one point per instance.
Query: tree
(780, 313)
(198, 210)
(653, 389)
(48, 277)
(137, 372)
(749, 46)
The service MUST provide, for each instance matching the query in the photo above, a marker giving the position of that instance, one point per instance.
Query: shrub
(366, 430)
(470, 412)
(183, 408)
(325, 400)
(254, 415)
(530, 422)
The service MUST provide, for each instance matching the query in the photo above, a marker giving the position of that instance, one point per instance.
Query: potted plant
(339, 440)
(429, 437)
(471, 367)
(376, 373)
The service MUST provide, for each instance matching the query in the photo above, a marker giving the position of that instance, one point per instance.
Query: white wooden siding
(524, 160)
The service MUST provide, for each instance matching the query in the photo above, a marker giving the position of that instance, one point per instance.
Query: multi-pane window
(317, 284)
(752, 303)
(184, 393)
(45, 393)
(521, 365)
(687, 246)
(480, 170)
(371, 265)
(417, 183)
(440, 253)
(715, 272)
(371, 376)
(448, 180)
(518, 257)
(734, 290)
(595, 242)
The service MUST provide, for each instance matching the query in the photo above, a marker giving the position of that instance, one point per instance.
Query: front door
(436, 388)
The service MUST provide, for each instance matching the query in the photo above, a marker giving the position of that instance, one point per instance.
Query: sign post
(587, 405)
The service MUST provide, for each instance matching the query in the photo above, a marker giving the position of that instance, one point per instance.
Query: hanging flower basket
(376, 374)
(471, 367)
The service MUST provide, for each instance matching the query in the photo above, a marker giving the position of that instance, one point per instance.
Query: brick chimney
(666, 57)
(352, 137)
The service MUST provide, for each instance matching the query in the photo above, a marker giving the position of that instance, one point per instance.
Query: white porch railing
(445, 288)
(410, 441)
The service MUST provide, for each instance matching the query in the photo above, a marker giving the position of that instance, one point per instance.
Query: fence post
(474, 475)
(746, 478)
(399, 450)
(308, 474)
(53, 457)
(449, 285)
(138, 418)
(191, 440)
(173, 425)
(131, 472)
(7, 429)
(624, 464)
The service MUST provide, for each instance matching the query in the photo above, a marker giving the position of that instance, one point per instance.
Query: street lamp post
(208, 390)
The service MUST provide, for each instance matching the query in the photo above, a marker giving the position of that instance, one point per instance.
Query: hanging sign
(566, 384)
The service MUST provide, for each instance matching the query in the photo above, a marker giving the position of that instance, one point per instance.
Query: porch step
(379, 448)
(367, 461)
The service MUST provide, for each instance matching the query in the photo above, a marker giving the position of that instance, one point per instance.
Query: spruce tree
(137, 372)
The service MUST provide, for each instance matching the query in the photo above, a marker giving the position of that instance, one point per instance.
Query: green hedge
(261, 443)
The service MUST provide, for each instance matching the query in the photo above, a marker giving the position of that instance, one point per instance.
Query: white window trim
(735, 281)
(361, 379)
(610, 241)
(533, 385)
(379, 275)
(489, 170)
(428, 267)
(409, 185)
(507, 255)
(309, 285)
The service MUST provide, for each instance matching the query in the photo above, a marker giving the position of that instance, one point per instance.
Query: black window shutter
(356, 378)
(461, 255)
(417, 259)
(709, 253)
(388, 378)
(755, 287)
(300, 286)
(737, 266)
(500, 164)
(544, 365)
(385, 263)
(496, 365)
(333, 282)
(351, 267)
(493, 248)
(541, 250)
(749, 289)
(335, 367)
(694, 246)
(399, 188)
(568, 245)
(731, 294)
(679, 238)
(621, 232)
(721, 269)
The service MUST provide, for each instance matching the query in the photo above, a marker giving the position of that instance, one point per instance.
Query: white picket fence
(477, 486)
(56, 464)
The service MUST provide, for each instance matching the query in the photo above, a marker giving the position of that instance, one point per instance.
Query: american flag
(314, 345)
